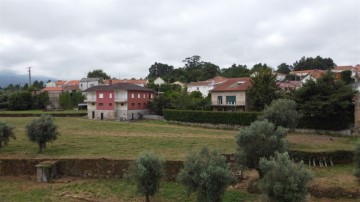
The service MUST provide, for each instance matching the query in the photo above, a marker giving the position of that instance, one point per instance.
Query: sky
(65, 39)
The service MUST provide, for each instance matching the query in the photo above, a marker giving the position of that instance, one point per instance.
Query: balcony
(90, 100)
(121, 99)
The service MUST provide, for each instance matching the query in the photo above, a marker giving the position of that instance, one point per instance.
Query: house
(86, 83)
(231, 95)
(289, 85)
(342, 68)
(138, 82)
(60, 83)
(159, 81)
(54, 93)
(50, 84)
(121, 101)
(280, 76)
(204, 87)
(313, 75)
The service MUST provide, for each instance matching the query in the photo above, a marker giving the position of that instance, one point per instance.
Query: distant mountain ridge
(10, 77)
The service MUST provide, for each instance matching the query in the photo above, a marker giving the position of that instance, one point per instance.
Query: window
(132, 104)
(151, 96)
(122, 104)
(132, 95)
(219, 100)
(197, 88)
(138, 95)
(101, 95)
(139, 104)
(144, 95)
(110, 95)
(91, 85)
(101, 104)
(144, 103)
(230, 100)
(110, 104)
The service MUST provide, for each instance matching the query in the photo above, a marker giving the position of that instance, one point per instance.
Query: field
(82, 138)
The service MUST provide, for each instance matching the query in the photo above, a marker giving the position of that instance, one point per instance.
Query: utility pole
(29, 70)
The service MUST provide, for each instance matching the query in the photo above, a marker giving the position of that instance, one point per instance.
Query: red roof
(218, 79)
(289, 84)
(234, 84)
(52, 89)
(72, 83)
(60, 82)
(200, 83)
(136, 82)
(71, 87)
(343, 68)
(306, 71)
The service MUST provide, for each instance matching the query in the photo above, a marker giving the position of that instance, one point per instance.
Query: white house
(204, 87)
(159, 81)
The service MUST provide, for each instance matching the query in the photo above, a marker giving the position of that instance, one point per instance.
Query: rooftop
(234, 84)
(118, 86)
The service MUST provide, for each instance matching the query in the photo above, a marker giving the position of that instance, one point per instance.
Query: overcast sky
(65, 39)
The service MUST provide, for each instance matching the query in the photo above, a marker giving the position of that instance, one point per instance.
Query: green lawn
(85, 138)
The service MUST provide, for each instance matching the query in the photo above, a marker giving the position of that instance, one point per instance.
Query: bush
(284, 180)
(230, 118)
(42, 130)
(282, 112)
(206, 173)
(147, 171)
(357, 160)
(5, 134)
(260, 139)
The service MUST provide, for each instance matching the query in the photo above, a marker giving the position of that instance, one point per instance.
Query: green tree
(325, 103)
(235, 71)
(284, 180)
(260, 139)
(284, 68)
(346, 77)
(260, 67)
(314, 63)
(209, 70)
(20, 101)
(69, 100)
(147, 171)
(282, 112)
(41, 100)
(263, 90)
(207, 174)
(357, 161)
(42, 130)
(160, 70)
(6, 132)
(192, 63)
(98, 73)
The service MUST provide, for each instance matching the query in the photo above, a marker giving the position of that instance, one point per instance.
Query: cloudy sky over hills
(65, 39)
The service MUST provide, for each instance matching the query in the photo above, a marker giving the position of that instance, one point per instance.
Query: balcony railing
(121, 99)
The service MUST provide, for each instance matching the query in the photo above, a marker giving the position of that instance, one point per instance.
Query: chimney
(110, 82)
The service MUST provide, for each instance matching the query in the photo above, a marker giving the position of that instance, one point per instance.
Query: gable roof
(343, 68)
(72, 83)
(132, 81)
(234, 84)
(200, 83)
(71, 87)
(216, 80)
(60, 82)
(119, 86)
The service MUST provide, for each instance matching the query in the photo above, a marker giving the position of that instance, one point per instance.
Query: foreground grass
(26, 189)
(44, 112)
(83, 138)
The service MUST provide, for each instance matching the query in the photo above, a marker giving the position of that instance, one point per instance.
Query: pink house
(121, 101)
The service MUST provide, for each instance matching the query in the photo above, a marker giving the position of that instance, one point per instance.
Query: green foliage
(260, 67)
(357, 161)
(206, 173)
(325, 104)
(42, 130)
(346, 77)
(69, 100)
(20, 101)
(263, 90)
(283, 180)
(146, 172)
(282, 112)
(41, 100)
(192, 116)
(235, 71)
(314, 63)
(260, 139)
(5, 134)
(284, 68)
(160, 70)
(98, 73)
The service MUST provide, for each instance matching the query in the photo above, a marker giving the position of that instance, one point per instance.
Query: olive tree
(42, 130)
(206, 173)
(5, 134)
(282, 112)
(283, 179)
(260, 139)
(147, 171)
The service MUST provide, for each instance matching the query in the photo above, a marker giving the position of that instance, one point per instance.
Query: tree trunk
(147, 198)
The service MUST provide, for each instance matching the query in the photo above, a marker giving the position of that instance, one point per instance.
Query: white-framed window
(132, 95)
(144, 95)
(197, 88)
(101, 95)
(151, 96)
(138, 95)
(110, 95)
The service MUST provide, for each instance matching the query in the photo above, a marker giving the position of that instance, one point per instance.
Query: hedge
(212, 117)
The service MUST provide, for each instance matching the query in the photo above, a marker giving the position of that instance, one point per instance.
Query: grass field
(44, 112)
(85, 138)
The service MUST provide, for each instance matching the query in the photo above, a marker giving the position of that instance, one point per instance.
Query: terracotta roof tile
(343, 68)
(118, 86)
(52, 89)
(234, 84)
(136, 82)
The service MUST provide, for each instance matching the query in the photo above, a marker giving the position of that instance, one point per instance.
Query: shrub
(260, 139)
(284, 180)
(206, 173)
(42, 130)
(357, 161)
(282, 112)
(5, 134)
(147, 171)
(230, 118)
